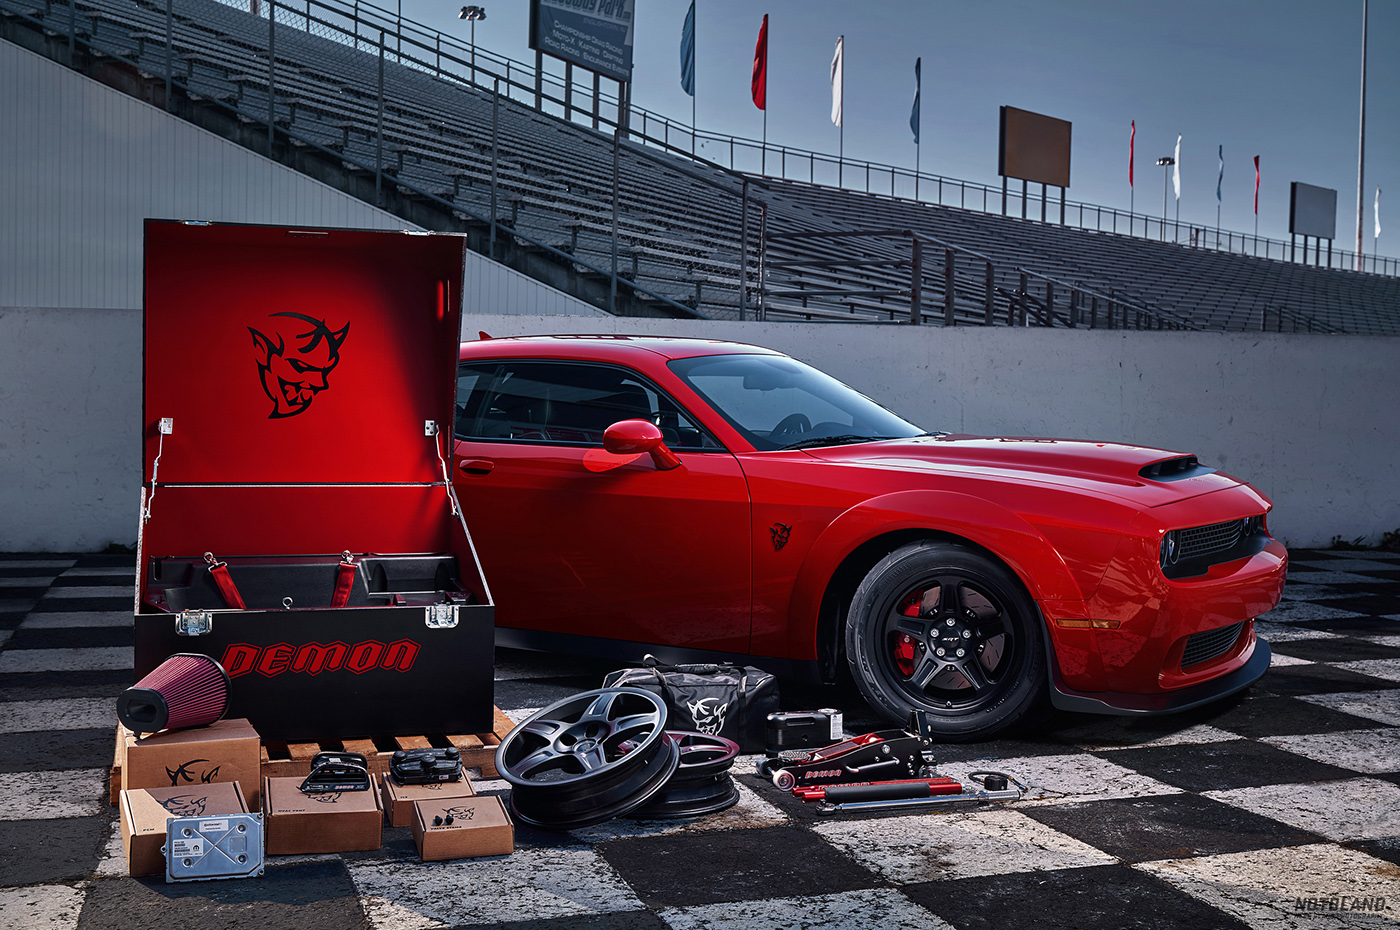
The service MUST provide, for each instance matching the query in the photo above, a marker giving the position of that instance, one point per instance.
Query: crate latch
(194, 622)
(440, 616)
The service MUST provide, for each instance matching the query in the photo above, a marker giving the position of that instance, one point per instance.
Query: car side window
(565, 403)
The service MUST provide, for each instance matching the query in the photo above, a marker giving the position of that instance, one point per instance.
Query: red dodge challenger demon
(690, 497)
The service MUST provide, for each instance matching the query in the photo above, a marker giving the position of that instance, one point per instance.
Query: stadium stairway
(399, 131)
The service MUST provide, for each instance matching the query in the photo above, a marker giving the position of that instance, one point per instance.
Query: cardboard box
(225, 751)
(330, 822)
(399, 799)
(144, 812)
(480, 827)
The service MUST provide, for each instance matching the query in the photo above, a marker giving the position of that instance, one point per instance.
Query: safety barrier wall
(1308, 420)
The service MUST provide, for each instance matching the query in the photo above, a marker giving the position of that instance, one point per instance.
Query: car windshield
(779, 403)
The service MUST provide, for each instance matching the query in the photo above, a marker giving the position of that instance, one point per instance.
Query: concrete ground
(1278, 808)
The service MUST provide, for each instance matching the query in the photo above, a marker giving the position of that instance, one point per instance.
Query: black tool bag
(719, 700)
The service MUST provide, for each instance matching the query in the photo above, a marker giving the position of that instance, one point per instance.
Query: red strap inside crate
(344, 581)
(224, 581)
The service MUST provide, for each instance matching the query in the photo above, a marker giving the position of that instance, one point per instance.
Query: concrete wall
(1310, 421)
(70, 428)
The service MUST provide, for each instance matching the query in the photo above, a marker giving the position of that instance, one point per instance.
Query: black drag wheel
(701, 784)
(943, 629)
(588, 758)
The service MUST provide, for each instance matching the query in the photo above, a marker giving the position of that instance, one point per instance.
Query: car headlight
(1171, 548)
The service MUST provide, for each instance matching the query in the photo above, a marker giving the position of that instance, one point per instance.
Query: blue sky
(1276, 78)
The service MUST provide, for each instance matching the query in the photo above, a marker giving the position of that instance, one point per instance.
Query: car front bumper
(1162, 702)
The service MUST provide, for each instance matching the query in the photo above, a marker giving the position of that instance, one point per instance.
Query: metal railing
(888, 275)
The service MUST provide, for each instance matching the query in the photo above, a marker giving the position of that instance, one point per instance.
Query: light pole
(471, 14)
(1166, 161)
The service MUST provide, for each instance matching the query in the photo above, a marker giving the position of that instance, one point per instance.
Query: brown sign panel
(1034, 147)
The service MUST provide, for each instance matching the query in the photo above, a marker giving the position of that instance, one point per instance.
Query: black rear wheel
(944, 629)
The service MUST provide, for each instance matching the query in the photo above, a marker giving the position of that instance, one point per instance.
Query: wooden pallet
(281, 758)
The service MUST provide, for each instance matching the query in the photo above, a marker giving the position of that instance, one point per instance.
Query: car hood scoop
(1147, 476)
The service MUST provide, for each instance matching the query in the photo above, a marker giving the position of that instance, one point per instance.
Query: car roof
(605, 347)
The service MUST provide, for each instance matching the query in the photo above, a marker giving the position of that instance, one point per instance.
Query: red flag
(760, 67)
(1131, 137)
(1256, 185)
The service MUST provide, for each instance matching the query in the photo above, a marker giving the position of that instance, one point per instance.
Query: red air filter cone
(186, 690)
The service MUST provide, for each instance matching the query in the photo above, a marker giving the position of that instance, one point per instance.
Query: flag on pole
(1220, 179)
(1176, 168)
(1132, 139)
(914, 113)
(760, 67)
(688, 52)
(836, 80)
(1256, 185)
(1376, 211)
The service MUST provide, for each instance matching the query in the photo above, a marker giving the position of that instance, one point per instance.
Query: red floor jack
(881, 770)
(938, 794)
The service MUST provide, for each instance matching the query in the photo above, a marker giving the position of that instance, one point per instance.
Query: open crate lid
(297, 369)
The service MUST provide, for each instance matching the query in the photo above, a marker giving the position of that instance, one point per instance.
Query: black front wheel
(944, 629)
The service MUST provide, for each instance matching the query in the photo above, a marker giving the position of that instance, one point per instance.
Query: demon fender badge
(780, 532)
(292, 379)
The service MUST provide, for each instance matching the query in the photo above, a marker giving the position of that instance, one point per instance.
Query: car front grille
(1202, 647)
(1201, 541)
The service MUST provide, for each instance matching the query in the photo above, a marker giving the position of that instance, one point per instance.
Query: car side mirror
(632, 437)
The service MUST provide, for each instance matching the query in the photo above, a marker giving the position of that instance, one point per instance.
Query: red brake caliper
(905, 647)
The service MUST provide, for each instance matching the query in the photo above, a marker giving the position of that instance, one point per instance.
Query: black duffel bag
(718, 700)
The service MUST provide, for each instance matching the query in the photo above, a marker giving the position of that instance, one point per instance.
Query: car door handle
(476, 467)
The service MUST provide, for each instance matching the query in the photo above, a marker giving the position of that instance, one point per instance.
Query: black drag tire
(945, 629)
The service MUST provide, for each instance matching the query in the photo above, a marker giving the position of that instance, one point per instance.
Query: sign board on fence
(594, 34)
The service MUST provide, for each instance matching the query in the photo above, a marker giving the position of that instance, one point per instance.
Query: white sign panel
(595, 34)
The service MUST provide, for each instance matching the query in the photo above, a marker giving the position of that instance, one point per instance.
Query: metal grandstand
(564, 182)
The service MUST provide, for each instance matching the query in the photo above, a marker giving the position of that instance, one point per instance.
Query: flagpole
(763, 160)
(696, 53)
(1361, 150)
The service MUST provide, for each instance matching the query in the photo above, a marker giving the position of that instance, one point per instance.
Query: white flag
(1176, 168)
(1376, 211)
(836, 81)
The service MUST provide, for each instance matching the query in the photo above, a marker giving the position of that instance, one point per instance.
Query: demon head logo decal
(185, 805)
(326, 797)
(460, 813)
(295, 359)
(183, 774)
(708, 714)
(780, 532)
